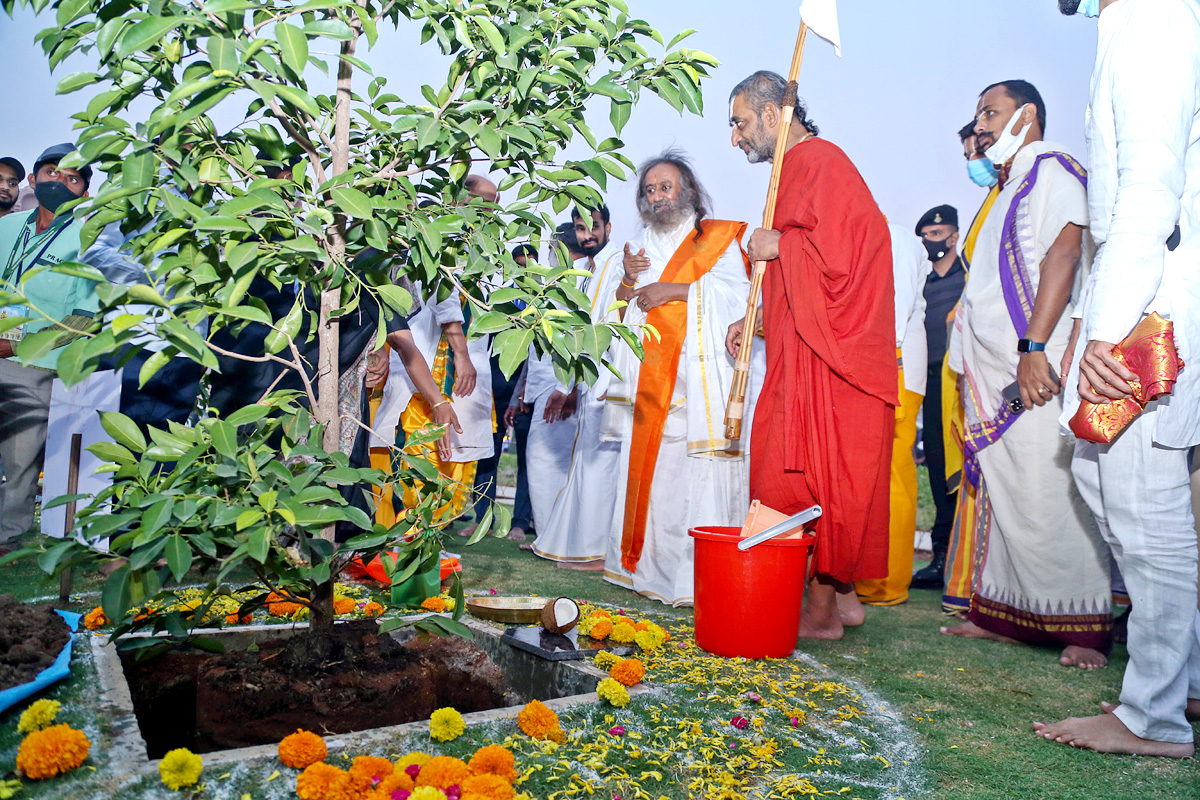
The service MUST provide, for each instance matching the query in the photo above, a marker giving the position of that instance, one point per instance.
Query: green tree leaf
(293, 46)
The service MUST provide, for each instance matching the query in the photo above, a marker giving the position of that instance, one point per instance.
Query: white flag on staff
(821, 18)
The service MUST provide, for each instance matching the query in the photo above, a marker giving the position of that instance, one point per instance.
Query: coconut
(560, 615)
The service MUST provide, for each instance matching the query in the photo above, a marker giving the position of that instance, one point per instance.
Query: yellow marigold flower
(320, 781)
(601, 629)
(298, 750)
(613, 692)
(537, 719)
(446, 725)
(623, 632)
(557, 735)
(40, 714)
(95, 619)
(373, 609)
(628, 672)
(442, 772)
(420, 759)
(343, 605)
(494, 760)
(606, 660)
(585, 625)
(492, 787)
(52, 751)
(179, 768)
(367, 772)
(647, 641)
(434, 604)
(427, 793)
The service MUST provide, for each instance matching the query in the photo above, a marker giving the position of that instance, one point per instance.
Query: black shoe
(931, 577)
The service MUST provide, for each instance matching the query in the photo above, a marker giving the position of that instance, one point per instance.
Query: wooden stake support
(735, 411)
(64, 578)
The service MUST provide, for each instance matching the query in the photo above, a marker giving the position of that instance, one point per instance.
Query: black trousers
(935, 460)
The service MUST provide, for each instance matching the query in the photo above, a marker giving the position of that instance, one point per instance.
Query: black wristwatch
(1030, 346)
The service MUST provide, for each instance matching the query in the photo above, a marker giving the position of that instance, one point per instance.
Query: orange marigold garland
(628, 671)
(492, 787)
(52, 751)
(494, 760)
(536, 720)
(442, 772)
(302, 748)
(367, 772)
(320, 781)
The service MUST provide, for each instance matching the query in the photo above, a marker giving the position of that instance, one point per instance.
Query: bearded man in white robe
(688, 278)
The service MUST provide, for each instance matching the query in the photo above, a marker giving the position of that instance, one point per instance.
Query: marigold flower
(623, 632)
(494, 760)
(606, 660)
(298, 750)
(435, 604)
(278, 606)
(442, 772)
(234, 619)
(641, 626)
(343, 605)
(427, 793)
(601, 629)
(95, 619)
(40, 714)
(179, 768)
(398, 781)
(601, 612)
(446, 725)
(412, 759)
(320, 781)
(628, 671)
(537, 719)
(647, 641)
(557, 735)
(492, 787)
(367, 772)
(373, 609)
(52, 751)
(613, 692)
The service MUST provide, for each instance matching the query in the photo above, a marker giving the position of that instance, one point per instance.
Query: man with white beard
(576, 534)
(688, 278)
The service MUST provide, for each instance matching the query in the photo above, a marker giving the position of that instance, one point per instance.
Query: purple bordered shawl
(1018, 297)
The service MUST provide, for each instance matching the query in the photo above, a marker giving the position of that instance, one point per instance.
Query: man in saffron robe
(687, 277)
(831, 387)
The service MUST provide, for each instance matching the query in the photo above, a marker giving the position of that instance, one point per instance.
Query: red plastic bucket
(748, 604)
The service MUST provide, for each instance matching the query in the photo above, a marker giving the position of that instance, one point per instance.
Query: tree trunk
(321, 617)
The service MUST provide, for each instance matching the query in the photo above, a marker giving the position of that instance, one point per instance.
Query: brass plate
(513, 610)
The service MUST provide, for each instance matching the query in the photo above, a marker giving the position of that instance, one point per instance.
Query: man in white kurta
(910, 266)
(698, 477)
(1045, 575)
(1144, 198)
(576, 534)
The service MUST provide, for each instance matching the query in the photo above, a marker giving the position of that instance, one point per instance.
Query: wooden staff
(64, 579)
(741, 367)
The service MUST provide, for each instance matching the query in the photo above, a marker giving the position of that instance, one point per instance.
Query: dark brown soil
(31, 637)
(213, 702)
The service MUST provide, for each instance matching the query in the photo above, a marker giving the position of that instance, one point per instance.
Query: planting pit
(237, 706)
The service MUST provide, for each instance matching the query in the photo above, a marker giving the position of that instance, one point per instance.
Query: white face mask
(1008, 143)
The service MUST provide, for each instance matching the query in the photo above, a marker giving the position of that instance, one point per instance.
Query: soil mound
(31, 637)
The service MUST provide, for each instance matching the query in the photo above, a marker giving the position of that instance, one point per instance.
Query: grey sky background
(908, 80)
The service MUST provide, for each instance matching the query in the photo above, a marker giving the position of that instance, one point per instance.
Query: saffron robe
(827, 410)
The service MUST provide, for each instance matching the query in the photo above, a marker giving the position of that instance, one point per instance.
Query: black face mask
(937, 250)
(52, 194)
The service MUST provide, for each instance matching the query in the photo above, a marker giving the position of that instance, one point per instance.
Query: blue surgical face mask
(982, 172)
(1089, 8)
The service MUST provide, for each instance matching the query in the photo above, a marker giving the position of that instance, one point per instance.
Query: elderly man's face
(662, 187)
(749, 133)
(10, 187)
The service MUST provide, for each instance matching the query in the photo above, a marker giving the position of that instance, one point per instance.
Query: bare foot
(469, 531)
(819, 617)
(973, 631)
(1082, 657)
(1105, 733)
(526, 546)
(583, 566)
(850, 608)
(516, 535)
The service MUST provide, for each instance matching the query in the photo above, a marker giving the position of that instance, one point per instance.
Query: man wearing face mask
(1143, 133)
(29, 245)
(1045, 579)
(938, 229)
